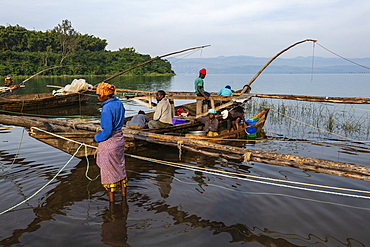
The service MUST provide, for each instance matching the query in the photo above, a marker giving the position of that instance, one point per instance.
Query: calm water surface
(168, 206)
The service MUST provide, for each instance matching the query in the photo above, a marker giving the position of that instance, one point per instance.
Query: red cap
(203, 71)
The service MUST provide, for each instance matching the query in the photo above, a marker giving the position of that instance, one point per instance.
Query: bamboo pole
(246, 88)
(151, 60)
(55, 67)
(344, 100)
(268, 157)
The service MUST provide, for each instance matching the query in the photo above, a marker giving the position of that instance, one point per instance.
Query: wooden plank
(199, 108)
(172, 107)
(344, 100)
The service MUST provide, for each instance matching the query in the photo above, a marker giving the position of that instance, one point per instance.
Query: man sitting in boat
(163, 115)
(139, 121)
(199, 87)
(210, 122)
(233, 117)
(8, 81)
(226, 91)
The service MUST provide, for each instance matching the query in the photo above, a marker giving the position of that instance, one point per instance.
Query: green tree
(68, 39)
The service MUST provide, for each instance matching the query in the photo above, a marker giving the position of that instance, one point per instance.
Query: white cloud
(234, 27)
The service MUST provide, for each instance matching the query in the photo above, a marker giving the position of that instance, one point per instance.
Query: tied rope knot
(179, 146)
(247, 157)
(79, 121)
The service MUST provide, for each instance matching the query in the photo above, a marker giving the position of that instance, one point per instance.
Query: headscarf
(228, 86)
(203, 71)
(105, 89)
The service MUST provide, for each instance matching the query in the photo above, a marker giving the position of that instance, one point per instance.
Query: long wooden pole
(151, 60)
(55, 67)
(246, 88)
(268, 157)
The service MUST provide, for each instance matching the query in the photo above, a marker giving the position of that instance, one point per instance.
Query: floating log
(344, 100)
(241, 154)
(29, 122)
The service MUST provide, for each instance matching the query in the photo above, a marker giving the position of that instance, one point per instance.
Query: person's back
(237, 111)
(140, 120)
(226, 91)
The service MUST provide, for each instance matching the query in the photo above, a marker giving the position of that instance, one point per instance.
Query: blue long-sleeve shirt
(112, 118)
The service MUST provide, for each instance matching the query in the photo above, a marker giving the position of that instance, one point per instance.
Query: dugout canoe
(236, 134)
(12, 90)
(27, 102)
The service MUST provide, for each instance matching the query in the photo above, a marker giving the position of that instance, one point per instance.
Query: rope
(343, 57)
(232, 175)
(61, 137)
(44, 185)
(87, 166)
(179, 146)
(16, 155)
(299, 121)
(313, 59)
(257, 193)
(227, 174)
(247, 157)
(211, 170)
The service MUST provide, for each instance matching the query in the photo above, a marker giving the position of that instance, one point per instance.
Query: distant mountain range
(251, 65)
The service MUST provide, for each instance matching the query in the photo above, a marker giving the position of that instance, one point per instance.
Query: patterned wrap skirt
(111, 159)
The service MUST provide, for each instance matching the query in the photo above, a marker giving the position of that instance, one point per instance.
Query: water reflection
(238, 232)
(114, 228)
(113, 223)
(70, 189)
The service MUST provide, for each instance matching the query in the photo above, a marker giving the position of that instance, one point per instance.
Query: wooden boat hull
(12, 90)
(27, 102)
(235, 134)
(73, 141)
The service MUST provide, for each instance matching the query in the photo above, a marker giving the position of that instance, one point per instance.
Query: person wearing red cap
(199, 87)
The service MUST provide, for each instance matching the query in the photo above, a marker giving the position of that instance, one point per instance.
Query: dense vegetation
(26, 52)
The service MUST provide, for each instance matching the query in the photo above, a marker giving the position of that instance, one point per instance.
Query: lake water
(170, 206)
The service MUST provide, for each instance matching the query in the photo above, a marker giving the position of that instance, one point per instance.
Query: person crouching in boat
(111, 157)
(233, 117)
(139, 121)
(8, 81)
(162, 117)
(226, 91)
(210, 123)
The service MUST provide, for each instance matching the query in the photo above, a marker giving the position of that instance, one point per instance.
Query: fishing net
(77, 85)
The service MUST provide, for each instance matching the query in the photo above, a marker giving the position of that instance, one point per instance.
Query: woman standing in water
(111, 157)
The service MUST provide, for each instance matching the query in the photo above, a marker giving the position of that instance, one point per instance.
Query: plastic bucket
(178, 121)
(252, 121)
(251, 131)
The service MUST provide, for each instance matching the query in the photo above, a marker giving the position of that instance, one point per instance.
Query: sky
(259, 28)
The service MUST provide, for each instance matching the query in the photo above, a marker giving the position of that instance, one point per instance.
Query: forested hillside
(26, 52)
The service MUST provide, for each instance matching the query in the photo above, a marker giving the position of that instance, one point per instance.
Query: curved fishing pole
(59, 66)
(151, 60)
(247, 88)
